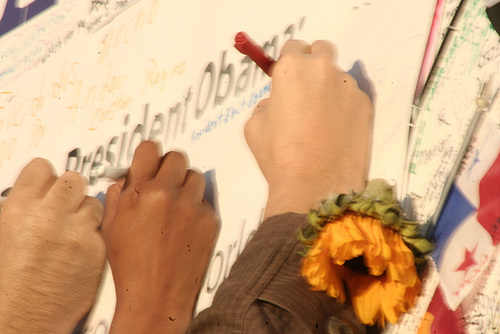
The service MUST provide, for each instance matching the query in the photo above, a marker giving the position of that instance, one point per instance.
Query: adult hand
(312, 136)
(51, 252)
(159, 232)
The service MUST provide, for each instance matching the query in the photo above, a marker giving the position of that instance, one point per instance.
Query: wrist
(305, 195)
(282, 201)
(137, 315)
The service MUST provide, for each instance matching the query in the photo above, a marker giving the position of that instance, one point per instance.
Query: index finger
(145, 163)
(295, 46)
(35, 179)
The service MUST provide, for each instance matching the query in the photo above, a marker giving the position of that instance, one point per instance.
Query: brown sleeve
(264, 292)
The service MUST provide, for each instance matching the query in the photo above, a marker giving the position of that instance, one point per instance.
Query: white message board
(83, 82)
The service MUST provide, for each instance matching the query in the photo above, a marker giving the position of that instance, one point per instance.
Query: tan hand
(312, 136)
(51, 252)
(159, 232)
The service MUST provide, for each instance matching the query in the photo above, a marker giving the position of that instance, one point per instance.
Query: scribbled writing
(55, 31)
(98, 4)
(470, 54)
(227, 114)
(156, 77)
(123, 33)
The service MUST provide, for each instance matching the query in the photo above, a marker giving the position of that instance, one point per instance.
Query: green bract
(378, 201)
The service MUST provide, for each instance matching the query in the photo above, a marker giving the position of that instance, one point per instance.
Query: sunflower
(360, 248)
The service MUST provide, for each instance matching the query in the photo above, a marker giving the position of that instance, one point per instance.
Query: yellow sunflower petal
(345, 239)
(366, 294)
(411, 294)
(376, 253)
(321, 274)
(401, 267)
(392, 301)
(379, 299)
(336, 286)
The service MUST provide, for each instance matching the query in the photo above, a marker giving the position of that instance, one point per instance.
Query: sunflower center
(357, 264)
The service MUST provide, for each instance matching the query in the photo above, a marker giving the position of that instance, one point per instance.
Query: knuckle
(294, 44)
(287, 63)
(42, 167)
(47, 218)
(324, 63)
(41, 163)
(11, 209)
(115, 189)
(95, 209)
(132, 194)
(197, 177)
(162, 195)
(148, 146)
(176, 158)
(176, 155)
(74, 179)
(325, 42)
(94, 203)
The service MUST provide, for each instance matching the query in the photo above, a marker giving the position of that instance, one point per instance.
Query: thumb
(254, 125)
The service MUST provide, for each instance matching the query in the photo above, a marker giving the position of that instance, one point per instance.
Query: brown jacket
(264, 292)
